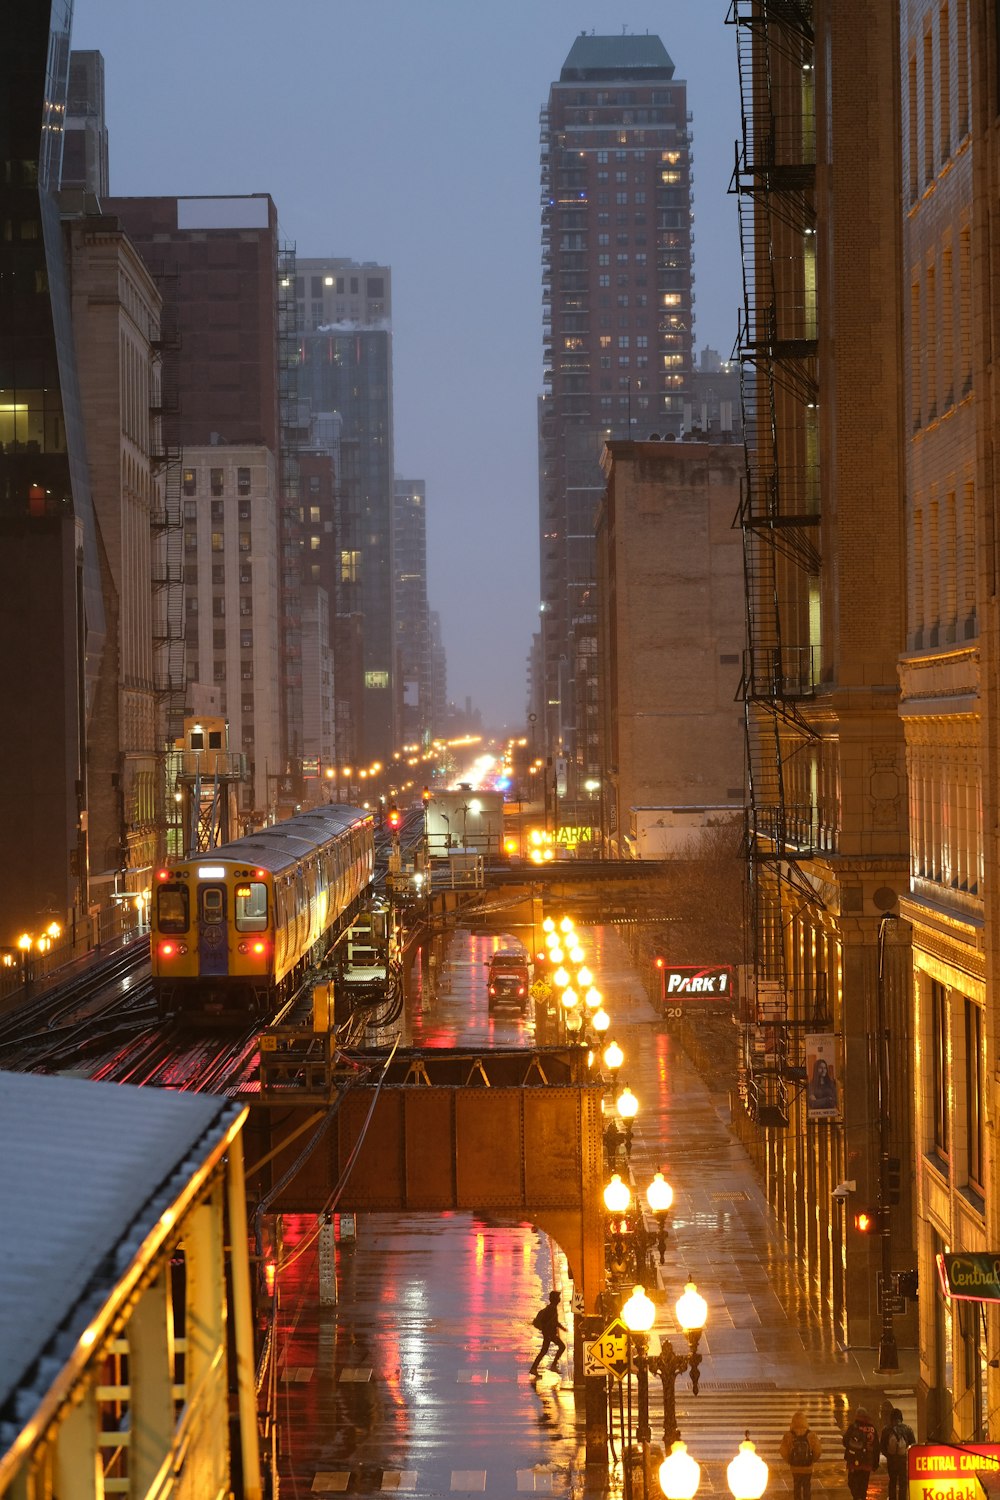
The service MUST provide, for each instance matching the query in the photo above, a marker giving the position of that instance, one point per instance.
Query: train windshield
(251, 906)
(172, 908)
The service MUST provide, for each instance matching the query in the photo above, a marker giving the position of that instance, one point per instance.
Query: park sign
(971, 1277)
(684, 983)
(950, 1473)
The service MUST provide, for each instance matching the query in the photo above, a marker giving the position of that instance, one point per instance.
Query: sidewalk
(766, 1349)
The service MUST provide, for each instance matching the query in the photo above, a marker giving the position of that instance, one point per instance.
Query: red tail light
(257, 948)
(520, 989)
(172, 950)
(493, 989)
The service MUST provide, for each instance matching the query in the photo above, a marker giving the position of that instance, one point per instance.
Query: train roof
(279, 845)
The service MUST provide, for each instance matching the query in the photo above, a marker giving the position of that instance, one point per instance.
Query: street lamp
(746, 1474)
(628, 1107)
(613, 1057)
(600, 1021)
(659, 1196)
(680, 1474)
(638, 1315)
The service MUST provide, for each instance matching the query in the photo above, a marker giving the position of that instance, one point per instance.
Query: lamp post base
(888, 1355)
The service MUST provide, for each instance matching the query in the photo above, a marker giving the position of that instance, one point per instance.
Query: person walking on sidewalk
(897, 1437)
(546, 1320)
(800, 1448)
(861, 1453)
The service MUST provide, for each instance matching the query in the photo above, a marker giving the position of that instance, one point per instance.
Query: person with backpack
(897, 1438)
(800, 1448)
(861, 1453)
(546, 1320)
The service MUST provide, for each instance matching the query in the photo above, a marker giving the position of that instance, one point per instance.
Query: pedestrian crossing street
(714, 1422)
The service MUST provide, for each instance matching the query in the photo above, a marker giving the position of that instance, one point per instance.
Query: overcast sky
(406, 132)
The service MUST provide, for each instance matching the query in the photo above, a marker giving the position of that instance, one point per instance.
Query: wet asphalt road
(418, 1379)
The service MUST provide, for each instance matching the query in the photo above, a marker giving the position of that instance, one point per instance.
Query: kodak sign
(935, 1473)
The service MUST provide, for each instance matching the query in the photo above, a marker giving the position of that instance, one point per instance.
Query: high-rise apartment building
(823, 517)
(345, 367)
(85, 144)
(617, 289)
(413, 665)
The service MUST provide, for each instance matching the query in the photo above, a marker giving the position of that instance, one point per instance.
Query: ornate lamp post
(660, 1196)
(692, 1311)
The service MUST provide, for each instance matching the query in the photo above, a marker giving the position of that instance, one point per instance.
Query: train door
(213, 930)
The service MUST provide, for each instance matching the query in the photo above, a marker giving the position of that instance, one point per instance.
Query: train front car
(234, 931)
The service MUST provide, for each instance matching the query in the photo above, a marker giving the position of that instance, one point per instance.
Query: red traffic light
(866, 1221)
(394, 818)
(426, 794)
(659, 962)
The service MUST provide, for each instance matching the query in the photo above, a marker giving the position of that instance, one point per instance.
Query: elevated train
(234, 931)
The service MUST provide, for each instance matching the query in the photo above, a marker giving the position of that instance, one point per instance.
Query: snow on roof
(88, 1169)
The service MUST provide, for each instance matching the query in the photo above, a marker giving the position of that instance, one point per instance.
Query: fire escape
(774, 182)
(166, 522)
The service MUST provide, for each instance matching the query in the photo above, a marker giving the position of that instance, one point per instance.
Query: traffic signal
(394, 818)
(659, 962)
(892, 1179)
(868, 1221)
(907, 1284)
(426, 795)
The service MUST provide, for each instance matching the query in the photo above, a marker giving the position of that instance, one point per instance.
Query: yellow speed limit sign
(608, 1355)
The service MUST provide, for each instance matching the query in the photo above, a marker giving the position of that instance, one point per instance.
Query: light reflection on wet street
(418, 1380)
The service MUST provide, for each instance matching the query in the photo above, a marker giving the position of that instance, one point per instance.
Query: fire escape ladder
(774, 181)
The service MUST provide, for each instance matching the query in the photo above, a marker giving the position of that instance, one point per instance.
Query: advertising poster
(967, 1472)
(822, 1080)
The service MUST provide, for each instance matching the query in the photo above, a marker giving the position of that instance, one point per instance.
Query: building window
(189, 482)
(243, 510)
(243, 481)
(246, 604)
(246, 573)
(219, 606)
(244, 541)
(218, 513)
(939, 1070)
(217, 481)
(604, 279)
(974, 1095)
(218, 573)
(218, 542)
(190, 511)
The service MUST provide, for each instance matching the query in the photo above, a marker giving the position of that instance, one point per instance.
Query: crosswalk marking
(713, 1423)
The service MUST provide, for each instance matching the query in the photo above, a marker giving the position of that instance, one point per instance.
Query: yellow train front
(234, 931)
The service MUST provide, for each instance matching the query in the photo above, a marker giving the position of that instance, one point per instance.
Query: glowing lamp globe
(628, 1104)
(638, 1314)
(592, 998)
(600, 1021)
(691, 1309)
(746, 1474)
(560, 978)
(566, 925)
(613, 1056)
(617, 1196)
(680, 1474)
(570, 999)
(551, 940)
(556, 955)
(584, 978)
(659, 1194)
(548, 925)
(577, 954)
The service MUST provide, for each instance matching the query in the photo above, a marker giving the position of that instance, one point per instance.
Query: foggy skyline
(408, 135)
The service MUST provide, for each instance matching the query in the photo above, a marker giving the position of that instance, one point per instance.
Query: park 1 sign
(682, 983)
(971, 1277)
(950, 1473)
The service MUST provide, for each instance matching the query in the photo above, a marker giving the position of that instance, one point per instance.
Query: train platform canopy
(92, 1175)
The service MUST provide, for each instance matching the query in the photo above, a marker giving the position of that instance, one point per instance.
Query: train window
(172, 911)
(251, 907)
(212, 899)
